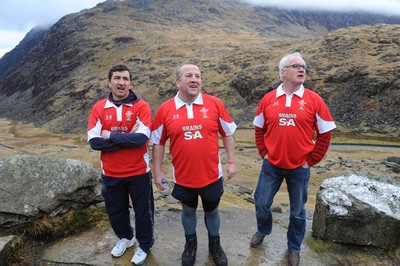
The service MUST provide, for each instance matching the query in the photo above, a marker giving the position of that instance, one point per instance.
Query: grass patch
(80, 141)
(231, 200)
(320, 246)
(367, 139)
(17, 130)
(71, 223)
(27, 237)
(244, 137)
(13, 128)
(15, 253)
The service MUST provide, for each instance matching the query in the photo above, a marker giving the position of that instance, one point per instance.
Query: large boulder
(33, 186)
(358, 210)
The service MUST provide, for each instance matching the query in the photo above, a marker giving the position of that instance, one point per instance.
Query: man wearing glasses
(292, 131)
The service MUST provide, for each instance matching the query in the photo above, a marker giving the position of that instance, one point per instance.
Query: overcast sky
(18, 17)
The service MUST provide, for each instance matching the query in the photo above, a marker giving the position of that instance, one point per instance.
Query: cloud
(10, 37)
(18, 17)
(22, 15)
(384, 7)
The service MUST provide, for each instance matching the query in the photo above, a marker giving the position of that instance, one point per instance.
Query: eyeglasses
(298, 66)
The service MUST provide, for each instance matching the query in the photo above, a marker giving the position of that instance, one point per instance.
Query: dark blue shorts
(210, 195)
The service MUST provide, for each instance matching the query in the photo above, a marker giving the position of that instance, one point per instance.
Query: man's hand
(106, 134)
(158, 177)
(305, 165)
(230, 170)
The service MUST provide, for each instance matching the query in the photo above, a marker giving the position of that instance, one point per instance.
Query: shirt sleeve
(322, 142)
(324, 118)
(259, 138)
(158, 135)
(96, 141)
(260, 130)
(227, 125)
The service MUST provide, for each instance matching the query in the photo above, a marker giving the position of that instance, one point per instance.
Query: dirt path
(93, 248)
(237, 228)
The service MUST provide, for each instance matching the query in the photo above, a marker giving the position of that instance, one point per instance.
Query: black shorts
(210, 195)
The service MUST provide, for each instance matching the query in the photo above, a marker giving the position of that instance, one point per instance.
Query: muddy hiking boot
(189, 254)
(217, 252)
(293, 258)
(256, 240)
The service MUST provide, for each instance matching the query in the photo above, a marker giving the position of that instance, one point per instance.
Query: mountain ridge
(236, 45)
(8, 60)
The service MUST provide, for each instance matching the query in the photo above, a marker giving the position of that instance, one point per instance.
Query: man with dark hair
(119, 127)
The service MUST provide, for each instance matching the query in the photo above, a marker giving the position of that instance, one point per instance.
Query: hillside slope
(12, 58)
(237, 47)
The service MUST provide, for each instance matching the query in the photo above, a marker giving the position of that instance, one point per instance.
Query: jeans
(269, 182)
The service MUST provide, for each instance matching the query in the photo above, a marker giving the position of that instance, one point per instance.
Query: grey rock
(276, 208)
(396, 169)
(249, 198)
(34, 186)
(393, 163)
(241, 189)
(358, 210)
(394, 159)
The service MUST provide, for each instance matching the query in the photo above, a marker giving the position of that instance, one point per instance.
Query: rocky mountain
(237, 46)
(13, 57)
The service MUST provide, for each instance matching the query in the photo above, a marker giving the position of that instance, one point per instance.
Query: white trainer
(121, 246)
(139, 257)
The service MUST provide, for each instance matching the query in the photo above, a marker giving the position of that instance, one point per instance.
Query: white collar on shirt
(179, 103)
(299, 92)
